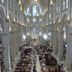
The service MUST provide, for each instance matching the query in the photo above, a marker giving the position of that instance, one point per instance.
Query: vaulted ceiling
(25, 3)
(41, 19)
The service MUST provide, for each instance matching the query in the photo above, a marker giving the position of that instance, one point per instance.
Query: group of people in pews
(48, 62)
(24, 65)
(1, 58)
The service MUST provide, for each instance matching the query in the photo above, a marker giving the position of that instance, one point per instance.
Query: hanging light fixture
(35, 0)
(51, 2)
(14, 20)
(19, 2)
(21, 8)
(68, 18)
(24, 37)
(40, 33)
(45, 36)
(7, 19)
(28, 33)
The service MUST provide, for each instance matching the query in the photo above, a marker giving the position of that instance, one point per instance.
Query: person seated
(34, 69)
(50, 60)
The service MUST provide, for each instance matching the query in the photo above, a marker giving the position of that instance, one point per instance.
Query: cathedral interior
(35, 36)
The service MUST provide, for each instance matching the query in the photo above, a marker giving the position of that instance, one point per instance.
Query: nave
(37, 59)
(35, 35)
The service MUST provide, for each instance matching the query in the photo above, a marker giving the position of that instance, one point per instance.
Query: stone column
(69, 39)
(51, 40)
(69, 49)
(60, 43)
(5, 41)
(55, 40)
(60, 34)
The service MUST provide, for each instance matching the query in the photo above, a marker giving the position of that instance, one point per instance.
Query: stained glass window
(66, 3)
(27, 11)
(34, 10)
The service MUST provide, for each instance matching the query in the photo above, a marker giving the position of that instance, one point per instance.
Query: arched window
(1, 28)
(40, 10)
(34, 10)
(27, 11)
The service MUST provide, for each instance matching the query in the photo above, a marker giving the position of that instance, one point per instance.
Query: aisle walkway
(38, 67)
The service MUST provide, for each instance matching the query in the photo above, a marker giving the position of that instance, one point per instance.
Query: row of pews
(25, 62)
(47, 61)
(1, 58)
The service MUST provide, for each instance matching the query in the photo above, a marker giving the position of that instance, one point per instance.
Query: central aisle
(38, 67)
